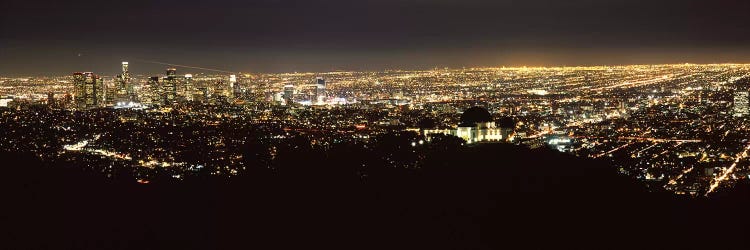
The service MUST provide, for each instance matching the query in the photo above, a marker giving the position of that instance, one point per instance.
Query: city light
(674, 124)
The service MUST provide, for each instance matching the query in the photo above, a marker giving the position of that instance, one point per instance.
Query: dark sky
(58, 37)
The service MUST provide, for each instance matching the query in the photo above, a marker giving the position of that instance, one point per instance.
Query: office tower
(118, 89)
(320, 90)
(218, 92)
(79, 90)
(125, 72)
(288, 94)
(154, 94)
(169, 86)
(51, 99)
(187, 89)
(110, 92)
(98, 89)
(232, 84)
(741, 104)
(89, 90)
(321, 83)
(129, 86)
(123, 91)
(234, 87)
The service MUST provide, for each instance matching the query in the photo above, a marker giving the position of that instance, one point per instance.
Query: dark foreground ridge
(480, 197)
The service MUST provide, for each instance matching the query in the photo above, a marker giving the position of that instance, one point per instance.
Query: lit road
(717, 181)
(81, 146)
(635, 83)
(642, 139)
(647, 148)
(684, 172)
(150, 163)
(613, 150)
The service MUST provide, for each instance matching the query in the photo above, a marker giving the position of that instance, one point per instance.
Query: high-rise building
(79, 90)
(51, 99)
(169, 86)
(89, 90)
(124, 90)
(320, 90)
(125, 72)
(154, 95)
(741, 104)
(129, 86)
(231, 92)
(110, 92)
(97, 99)
(288, 94)
(187, 89)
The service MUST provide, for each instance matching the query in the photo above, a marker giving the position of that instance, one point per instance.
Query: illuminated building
(169, 87)
(741, 104)
(129, 88)
(187, 88)
(220, 92)
(230, 91)
(110, 93)
(89, 90)
(51, 99)
(234, 87)
(79, 90)
(320, 90)
(153, 96)
(476, 125)
(288, 94)
(124, 91)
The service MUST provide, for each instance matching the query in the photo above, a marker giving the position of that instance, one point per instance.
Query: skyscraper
(187, 89)
(123, 91)
(154, 96)
(169, 86)
(79, 90)
(741, 104)
(125, 72)
(288, 94)
(234, 87)
(320, 90)
(51, 99)
(129, 86)
(89, 90)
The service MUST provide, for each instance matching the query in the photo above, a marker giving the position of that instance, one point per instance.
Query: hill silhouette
(488, 196)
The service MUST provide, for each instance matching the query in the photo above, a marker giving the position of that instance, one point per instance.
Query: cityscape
(674, 127)
(388, 124)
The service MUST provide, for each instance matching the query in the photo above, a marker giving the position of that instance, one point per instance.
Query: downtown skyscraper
(89, 90)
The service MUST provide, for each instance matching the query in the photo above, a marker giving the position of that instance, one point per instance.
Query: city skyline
(374, 124)
(670, 126)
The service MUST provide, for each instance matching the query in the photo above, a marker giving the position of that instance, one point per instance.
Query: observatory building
(477, 125)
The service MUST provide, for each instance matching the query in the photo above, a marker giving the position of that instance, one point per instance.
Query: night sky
(59, 37)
